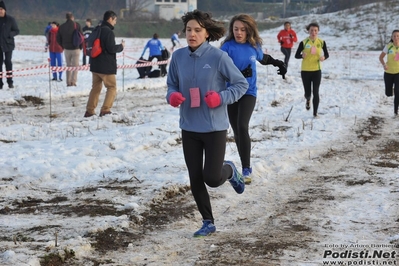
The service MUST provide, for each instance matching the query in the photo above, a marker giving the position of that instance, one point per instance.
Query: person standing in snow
(46, 31)
(391, 68)
(8, 30)
(287, 38)
(86, 30)
(104, 67)
(155, 46)
(55, 50)
(312, 51)
(71, 52)
(244, 45)
(201, 93)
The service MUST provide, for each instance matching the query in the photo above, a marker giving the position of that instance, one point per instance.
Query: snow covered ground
(115, 190)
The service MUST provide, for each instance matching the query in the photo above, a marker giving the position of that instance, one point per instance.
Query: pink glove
(212, 99)
(176, 99)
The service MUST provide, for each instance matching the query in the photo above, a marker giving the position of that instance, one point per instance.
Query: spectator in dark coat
(71, 52)
(87, 30)
(103, 67)
(8, 30)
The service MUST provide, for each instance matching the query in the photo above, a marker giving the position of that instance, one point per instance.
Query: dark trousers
(174, 44)
(392, 86)
(161, 67)
(240, 113)
(310, 78)
(212, 173)
(6, 58)
(287, 54)
(84, 59)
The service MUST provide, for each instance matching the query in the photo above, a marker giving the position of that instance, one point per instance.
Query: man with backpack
(71, 51)
(103, 67)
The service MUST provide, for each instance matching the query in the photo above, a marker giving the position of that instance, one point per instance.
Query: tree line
(28, 9)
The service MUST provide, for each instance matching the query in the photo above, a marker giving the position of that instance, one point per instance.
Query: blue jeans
(56, 61)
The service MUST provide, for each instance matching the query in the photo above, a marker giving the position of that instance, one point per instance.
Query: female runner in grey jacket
(197, 83)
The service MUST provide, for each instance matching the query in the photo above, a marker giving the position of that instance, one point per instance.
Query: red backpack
(93, 48)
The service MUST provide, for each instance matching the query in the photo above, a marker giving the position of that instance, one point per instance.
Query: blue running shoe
(236, 179)
(246, 173)
(207, 228)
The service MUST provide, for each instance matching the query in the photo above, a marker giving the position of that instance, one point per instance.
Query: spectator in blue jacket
(155, 46)
(8, 30)
(46, 31)
(197, 83)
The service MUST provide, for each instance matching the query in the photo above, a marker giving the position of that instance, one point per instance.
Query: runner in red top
(286, 38)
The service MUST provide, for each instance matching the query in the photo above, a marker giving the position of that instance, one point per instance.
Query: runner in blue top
(197, 83)
(244, 45)
(156, 48)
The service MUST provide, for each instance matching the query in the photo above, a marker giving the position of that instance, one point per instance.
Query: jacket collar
(105, 23)
(200, 50)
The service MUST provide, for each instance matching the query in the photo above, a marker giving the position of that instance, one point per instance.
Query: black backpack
(77, 37)
(165, 54)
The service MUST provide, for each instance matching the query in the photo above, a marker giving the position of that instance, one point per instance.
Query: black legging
(391, 80)
(240, 113)
(309, 77)
(212, 173)
(287, 54)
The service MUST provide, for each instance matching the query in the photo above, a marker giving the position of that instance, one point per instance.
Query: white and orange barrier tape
(61, 69)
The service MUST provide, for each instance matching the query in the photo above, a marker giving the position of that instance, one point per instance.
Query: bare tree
(383, 22)
(285, 4)
(137, 8)
(335, 5)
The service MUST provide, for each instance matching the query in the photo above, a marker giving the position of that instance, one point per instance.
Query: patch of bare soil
(168, 205)
(110, 239)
